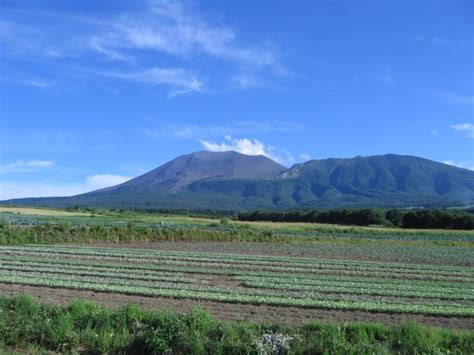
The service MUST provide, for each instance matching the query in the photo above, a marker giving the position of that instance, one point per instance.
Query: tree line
(418, 219)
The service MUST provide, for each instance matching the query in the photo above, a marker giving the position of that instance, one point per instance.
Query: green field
(281, 273)
(283, 281)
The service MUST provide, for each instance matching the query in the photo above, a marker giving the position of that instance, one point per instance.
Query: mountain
(234, 181)
(206, 166)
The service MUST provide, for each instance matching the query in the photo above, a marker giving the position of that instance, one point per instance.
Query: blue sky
(95, 92)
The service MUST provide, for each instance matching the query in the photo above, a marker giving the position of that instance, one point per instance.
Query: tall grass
(86, 327)
(69, 232)
(66, 233)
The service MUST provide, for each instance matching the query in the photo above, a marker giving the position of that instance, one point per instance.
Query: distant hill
(233, 181)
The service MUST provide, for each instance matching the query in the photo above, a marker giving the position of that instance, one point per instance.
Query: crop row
(279, 268)
(298, 294)
(233, 258)
(384, 290)
(153, 271)
(218, 269)
(112, 280)
(371, 306)
(357, 281)
(276, 281)
(115, 273)
(136, 271)
(351, 269)
(385, 284)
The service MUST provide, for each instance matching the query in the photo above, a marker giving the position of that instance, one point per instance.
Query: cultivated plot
(282, 281)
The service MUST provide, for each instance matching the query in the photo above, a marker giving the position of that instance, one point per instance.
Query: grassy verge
(86, 327)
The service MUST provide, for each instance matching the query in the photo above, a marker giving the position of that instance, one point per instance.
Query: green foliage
(85, 327)
(425, 219)
(360, 217)
(432, 219)
(395, 217)
(225, 221)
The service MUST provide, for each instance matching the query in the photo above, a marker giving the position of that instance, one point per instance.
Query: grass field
(41, 212)
(281, 273)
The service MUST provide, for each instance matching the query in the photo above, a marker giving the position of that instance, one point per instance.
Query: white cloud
(39, 163)
(243, 145)
(163, 31)
(25, 166)
(464, 128)
(252, 147)
(175, 28)
(460, 164)
(16, 189)
(39, 83)
(181, 80)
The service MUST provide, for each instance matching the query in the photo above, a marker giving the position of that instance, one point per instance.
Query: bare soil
(232, 311)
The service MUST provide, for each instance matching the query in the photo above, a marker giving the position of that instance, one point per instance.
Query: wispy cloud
(465, 128)
(158, 131)
(176, 28)
(20, 189)
(431, 39)
(25, 166)
(175, 34)
(441, 41)
(40, 83)
(246, 81)
(20, 39)
(182, 81)
(27, 79)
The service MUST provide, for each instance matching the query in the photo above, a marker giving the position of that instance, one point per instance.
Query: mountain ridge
(235, 181)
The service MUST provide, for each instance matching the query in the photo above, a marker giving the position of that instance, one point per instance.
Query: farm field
(237, 285)
(275, 275)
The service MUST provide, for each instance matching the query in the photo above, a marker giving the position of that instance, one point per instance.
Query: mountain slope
(204, 165)
(230, 180)
(399, 179)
